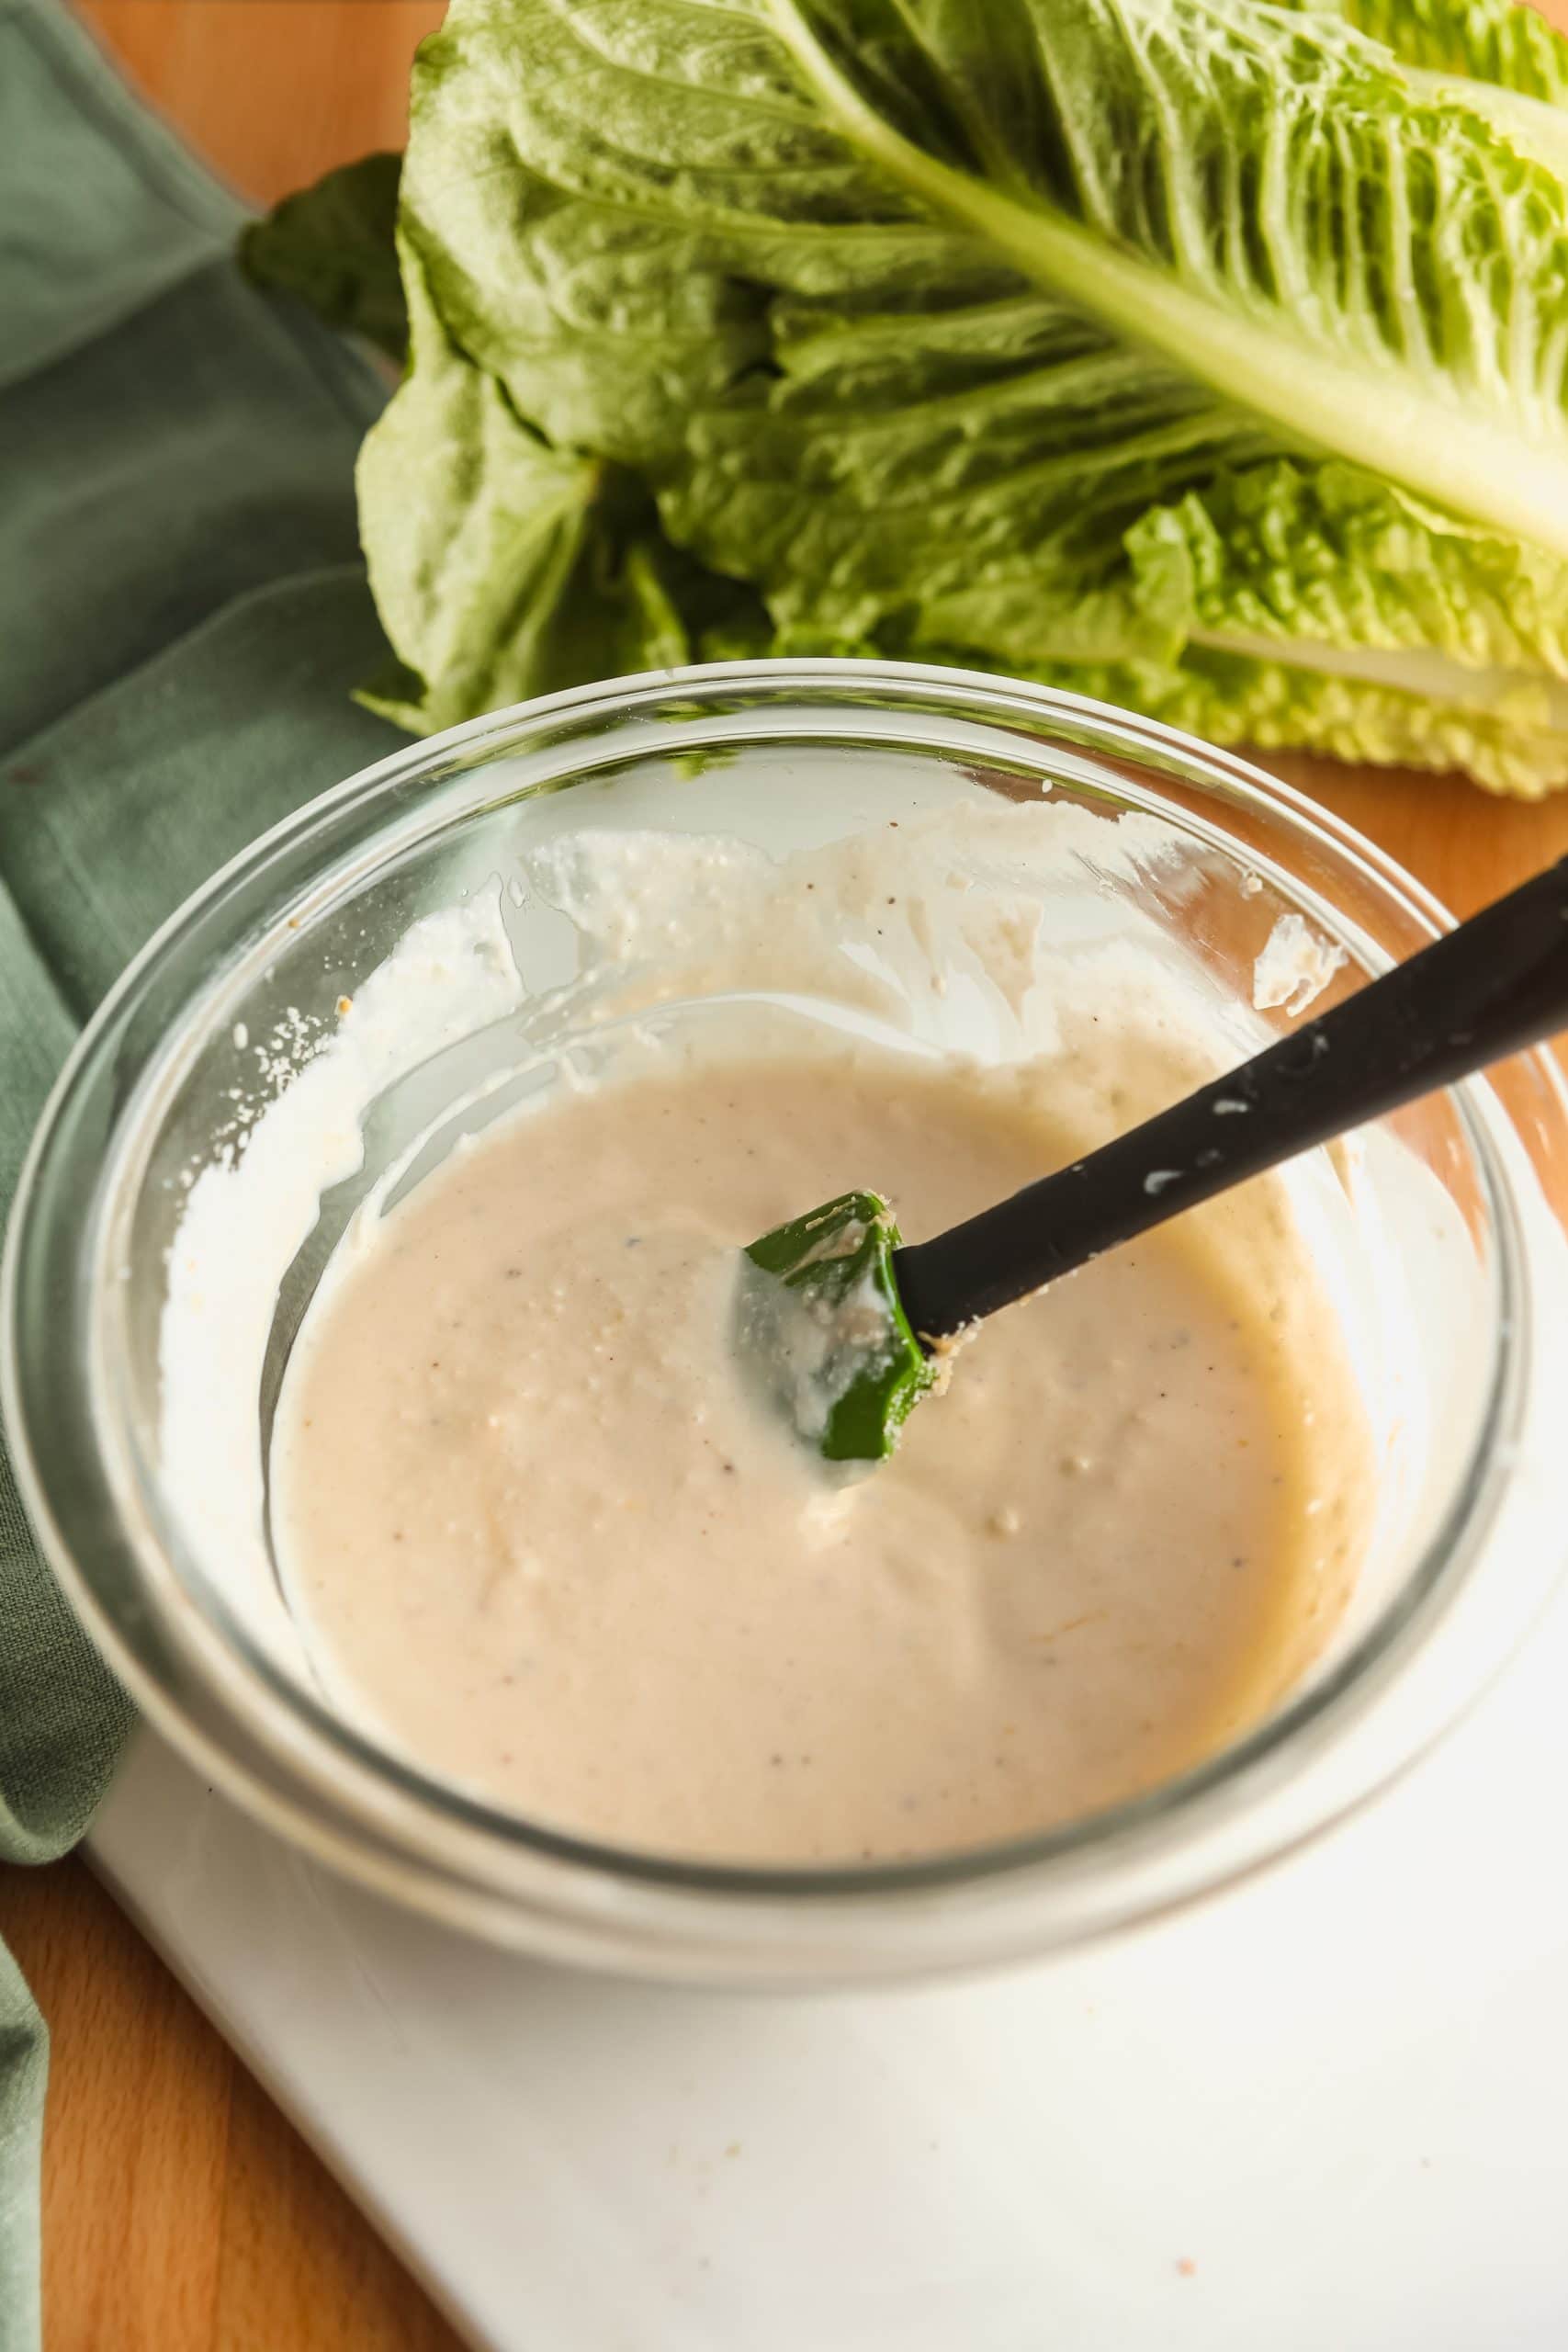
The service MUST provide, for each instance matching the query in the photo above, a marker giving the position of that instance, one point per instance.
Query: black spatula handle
(1498, 983)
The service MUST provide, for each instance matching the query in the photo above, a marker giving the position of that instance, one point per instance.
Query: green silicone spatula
(844, 1325)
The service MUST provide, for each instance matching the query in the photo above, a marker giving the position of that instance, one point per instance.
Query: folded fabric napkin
(183, 612)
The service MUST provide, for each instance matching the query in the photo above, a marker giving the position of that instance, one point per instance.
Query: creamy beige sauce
(542, 1536)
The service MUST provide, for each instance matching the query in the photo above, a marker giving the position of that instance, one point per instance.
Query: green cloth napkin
(182, 611)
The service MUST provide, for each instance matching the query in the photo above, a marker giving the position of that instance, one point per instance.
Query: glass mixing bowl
(163, 1085)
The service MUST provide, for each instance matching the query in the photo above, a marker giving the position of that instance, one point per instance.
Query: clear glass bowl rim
(329, 1749)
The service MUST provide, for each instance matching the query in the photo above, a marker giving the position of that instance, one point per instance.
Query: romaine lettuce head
(1205, 352)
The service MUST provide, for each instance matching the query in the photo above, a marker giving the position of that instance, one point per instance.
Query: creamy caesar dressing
(541, 1534)
(512, 1510)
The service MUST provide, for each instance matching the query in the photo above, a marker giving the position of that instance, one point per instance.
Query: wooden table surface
(182, 2213)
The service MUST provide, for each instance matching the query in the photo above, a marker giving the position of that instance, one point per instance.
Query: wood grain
(271, 93)
(182, 2213)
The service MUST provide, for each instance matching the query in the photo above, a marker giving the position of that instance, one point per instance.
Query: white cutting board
(1326, 2112)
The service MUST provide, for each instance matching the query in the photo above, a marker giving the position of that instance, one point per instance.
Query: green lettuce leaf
(1329, 611)
(1321, 609)
(1329, 557)
(1262, 197)
(1492, 55)
(503, 567)
(606, 200)
(1511, 738)
(641, 226)
(333, 247)
(967, 474)
(1494, 41)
